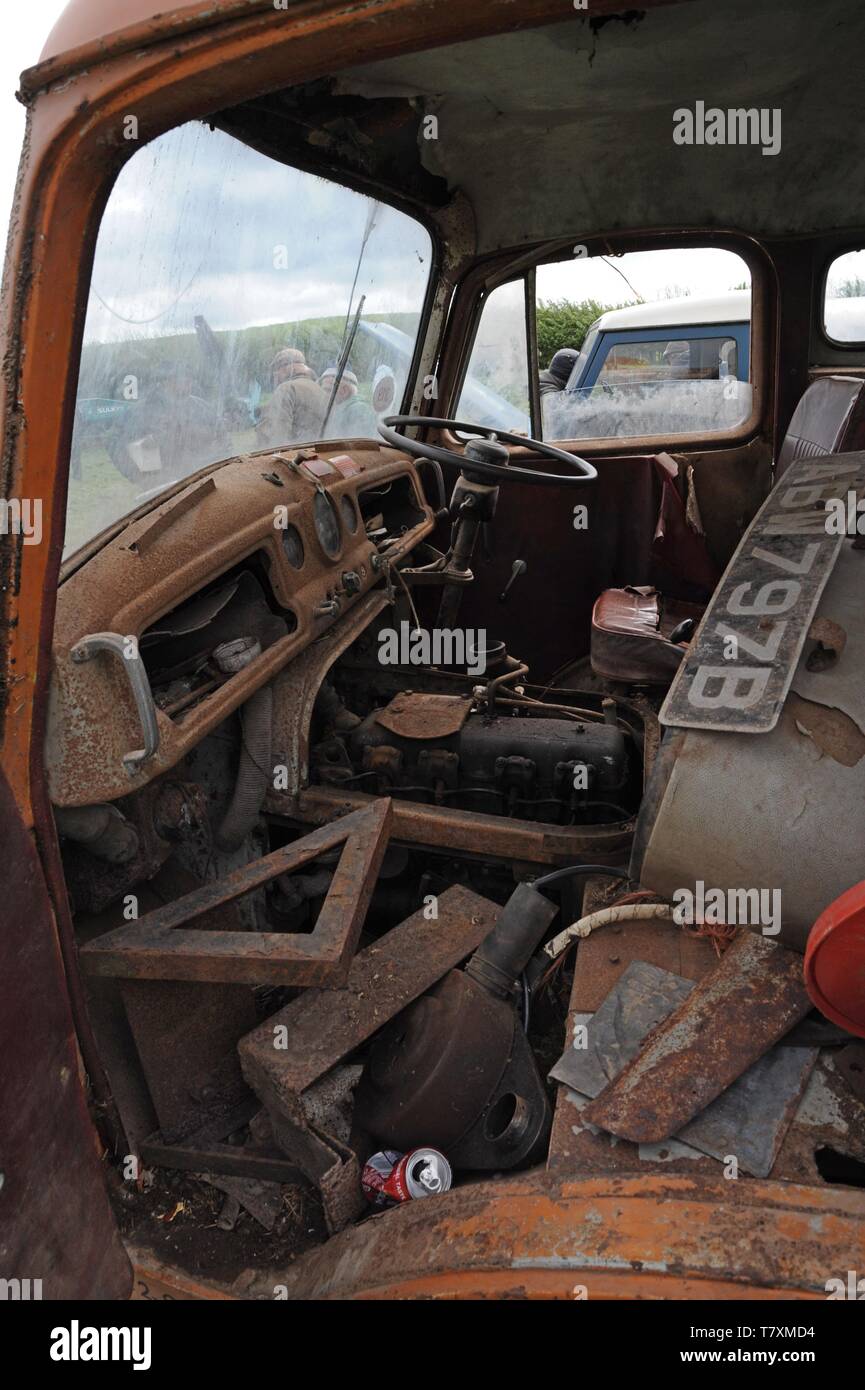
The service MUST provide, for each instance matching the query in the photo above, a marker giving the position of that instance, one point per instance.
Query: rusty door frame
(56, 1223)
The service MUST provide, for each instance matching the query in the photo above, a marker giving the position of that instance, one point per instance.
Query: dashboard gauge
(349, 513)
(327, 525)
(292, 544)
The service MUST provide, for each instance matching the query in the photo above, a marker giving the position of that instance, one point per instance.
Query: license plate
(737, 671)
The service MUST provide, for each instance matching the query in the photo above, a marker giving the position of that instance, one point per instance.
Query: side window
(496, 387)
(844, 300)
(651, 343)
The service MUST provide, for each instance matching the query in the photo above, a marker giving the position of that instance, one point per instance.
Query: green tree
(563, 324)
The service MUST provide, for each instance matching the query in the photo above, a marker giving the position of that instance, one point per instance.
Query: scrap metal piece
(752, 998)
(297, 1046)
(748, 1120)
(160, 946)
(644, 996)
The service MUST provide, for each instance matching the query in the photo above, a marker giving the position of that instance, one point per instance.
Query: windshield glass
(225, 294)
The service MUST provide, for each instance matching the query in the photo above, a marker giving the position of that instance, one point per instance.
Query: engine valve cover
(519, 764)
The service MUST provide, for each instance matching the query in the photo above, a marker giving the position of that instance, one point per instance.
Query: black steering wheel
(490, 462)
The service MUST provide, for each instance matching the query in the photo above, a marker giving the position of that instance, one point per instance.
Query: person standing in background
(295, 412)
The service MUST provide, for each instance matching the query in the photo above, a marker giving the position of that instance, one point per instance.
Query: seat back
(829, 419)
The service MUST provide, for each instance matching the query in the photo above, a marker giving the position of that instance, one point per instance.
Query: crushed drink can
(390, 1177)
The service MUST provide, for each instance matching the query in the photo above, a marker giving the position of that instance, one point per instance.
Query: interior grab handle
(126, 648)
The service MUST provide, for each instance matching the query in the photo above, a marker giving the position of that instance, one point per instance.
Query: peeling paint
(831, 731)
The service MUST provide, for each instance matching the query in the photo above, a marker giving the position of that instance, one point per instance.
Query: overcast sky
(199, 224)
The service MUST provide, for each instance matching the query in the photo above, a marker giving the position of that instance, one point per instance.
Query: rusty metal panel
(154, 948)
(56, 1224)
(734, 1015)
(325, 1025)
(603, 957)
(621, 1237)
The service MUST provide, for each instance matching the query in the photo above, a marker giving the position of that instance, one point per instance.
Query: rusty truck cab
(365, 628)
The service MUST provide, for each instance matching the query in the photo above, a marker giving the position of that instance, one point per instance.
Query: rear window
(844, 299)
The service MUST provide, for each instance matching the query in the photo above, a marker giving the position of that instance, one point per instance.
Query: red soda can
(390, 1177)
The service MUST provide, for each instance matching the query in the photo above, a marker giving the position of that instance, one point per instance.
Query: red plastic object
(835, 961)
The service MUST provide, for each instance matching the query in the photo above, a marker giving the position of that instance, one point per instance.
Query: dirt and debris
(177, 1218)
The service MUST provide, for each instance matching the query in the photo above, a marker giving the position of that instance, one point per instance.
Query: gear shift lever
(517, 568)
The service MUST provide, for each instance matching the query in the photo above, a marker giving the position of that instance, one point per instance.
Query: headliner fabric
(568, 130)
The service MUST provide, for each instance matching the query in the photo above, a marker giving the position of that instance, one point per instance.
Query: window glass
(652, 343)
(844, 304)
(496, 388)
(669, 359)
(224, 292)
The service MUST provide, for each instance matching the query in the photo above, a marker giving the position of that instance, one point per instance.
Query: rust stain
(830, 730)
(414, 714)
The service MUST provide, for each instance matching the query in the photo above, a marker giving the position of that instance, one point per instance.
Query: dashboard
(188, 609)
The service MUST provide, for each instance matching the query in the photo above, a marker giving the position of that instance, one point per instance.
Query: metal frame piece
(160, 946)
(322, 1027)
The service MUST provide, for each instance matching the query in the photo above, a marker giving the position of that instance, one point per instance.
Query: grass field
(102, 495)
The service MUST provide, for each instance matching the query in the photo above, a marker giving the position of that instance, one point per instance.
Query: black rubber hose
(573, 870)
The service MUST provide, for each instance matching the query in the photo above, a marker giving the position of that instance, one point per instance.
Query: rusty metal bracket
(226, 1159)
(160, 946)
